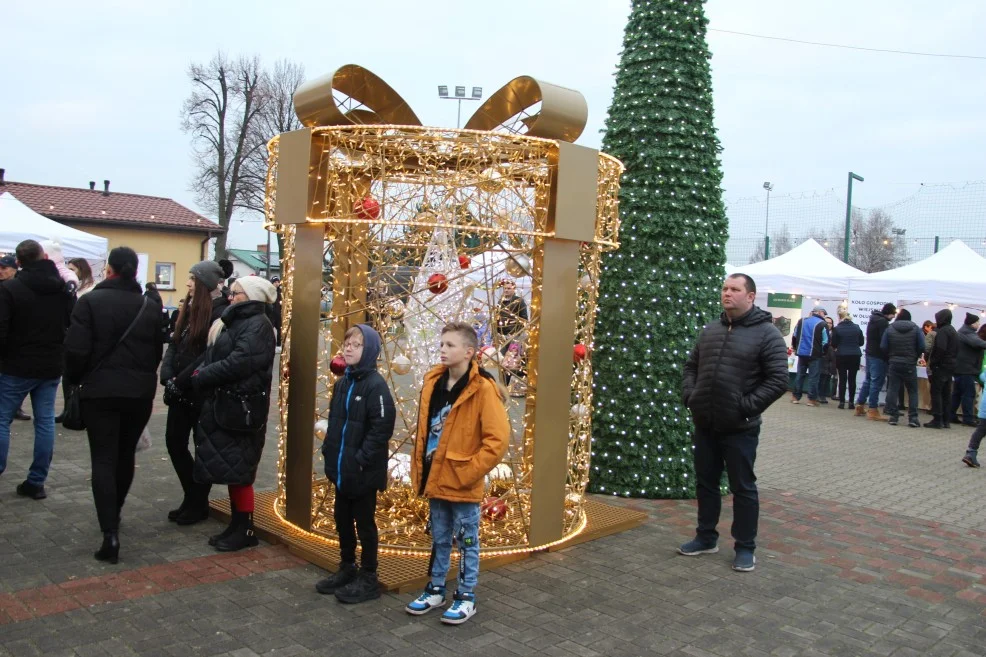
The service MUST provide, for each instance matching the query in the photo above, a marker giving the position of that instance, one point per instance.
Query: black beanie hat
(971, 319)
(888, 309)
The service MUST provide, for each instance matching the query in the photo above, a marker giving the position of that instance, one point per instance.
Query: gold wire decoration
(480, 195)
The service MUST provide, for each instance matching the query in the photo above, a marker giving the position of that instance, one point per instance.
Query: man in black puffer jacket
(355, 449)
(734, 373)
(35, 310)
(903, 343)
(968, 364)
(941, 367)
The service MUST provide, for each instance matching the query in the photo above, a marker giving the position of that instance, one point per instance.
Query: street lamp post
(766, 223)
(845, 249)
(460, 95)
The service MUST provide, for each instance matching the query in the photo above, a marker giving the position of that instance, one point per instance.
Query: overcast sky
(92, 90)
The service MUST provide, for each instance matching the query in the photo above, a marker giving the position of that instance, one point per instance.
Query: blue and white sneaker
(463, 608)
(432, 598)
(695, 547)
(744, 561)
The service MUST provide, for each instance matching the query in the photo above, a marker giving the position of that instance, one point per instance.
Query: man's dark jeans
(737, 452)
(906, 375)
(941, 393)
(964, 394)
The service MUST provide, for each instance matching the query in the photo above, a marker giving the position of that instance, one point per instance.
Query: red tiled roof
(92, 206)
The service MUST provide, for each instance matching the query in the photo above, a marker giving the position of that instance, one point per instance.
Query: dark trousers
(977, 437)
(906, 375)
(357, 515)
(941, 393)
(114, 426)
(964, 394)
(736, 452)
(181, 422)
(848, 367)
(824, 386)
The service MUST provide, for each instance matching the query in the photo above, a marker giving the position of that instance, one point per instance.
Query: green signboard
(778, 300)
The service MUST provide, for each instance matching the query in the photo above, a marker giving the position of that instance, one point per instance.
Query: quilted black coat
(736, 370)
(241, 361)
(361, 422)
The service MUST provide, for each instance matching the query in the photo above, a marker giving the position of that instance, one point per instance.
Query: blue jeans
(458, 520)
(737, 452)
(964, 394)
(13, 390)
(876, 372)
(813, 368)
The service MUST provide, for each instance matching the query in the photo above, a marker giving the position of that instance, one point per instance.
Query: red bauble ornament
(338, 366)
(494, 508)
(437, 283)
(367, 208)
(579, 353)
(464, 262)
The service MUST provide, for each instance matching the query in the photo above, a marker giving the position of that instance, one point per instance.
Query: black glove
(172, 393)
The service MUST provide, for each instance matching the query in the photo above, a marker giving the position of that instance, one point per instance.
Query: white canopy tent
(807, 269)
(19, 222)
(955, 275)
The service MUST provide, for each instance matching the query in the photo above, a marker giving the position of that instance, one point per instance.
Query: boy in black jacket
(355, 449)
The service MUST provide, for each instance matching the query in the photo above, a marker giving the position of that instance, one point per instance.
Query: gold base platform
(406, 573)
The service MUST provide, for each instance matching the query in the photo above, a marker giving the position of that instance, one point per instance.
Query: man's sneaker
(812, 402)
(892, 422)
(971, 460)
(27, 489)
(695, 547)
(463, 608)
(795, 400)
(364, 587)
(914, 424)
(432, 598)
(744, 561)
(346, 574)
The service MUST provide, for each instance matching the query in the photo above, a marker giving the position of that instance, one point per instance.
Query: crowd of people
(105, 343)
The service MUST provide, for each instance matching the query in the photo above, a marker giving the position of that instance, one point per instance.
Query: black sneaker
(971, 460)
(347, 573)
(35, 492)
(364, 587)
(851, 406)
(934, 424)
(842, 406)
(892, 422)
(914, 424)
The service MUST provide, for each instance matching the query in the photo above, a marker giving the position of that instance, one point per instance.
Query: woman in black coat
(234, 381)
(202, 306)
(118, 379)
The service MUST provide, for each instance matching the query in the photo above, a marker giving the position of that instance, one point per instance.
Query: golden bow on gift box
(562, 115)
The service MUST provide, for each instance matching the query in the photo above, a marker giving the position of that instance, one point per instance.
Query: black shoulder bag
(72, 418)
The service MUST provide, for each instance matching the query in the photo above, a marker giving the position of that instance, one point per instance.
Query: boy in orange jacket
(463, 433)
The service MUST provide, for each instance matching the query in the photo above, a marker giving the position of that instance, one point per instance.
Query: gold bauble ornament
(400, 365)
(396, 309)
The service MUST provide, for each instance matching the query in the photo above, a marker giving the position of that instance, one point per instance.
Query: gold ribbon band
(562, 115)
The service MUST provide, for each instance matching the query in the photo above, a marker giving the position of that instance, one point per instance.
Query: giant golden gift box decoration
(510, 188)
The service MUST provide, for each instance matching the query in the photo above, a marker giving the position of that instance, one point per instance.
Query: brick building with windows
(172, 236)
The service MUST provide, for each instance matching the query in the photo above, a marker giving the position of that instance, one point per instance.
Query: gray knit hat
(207, 272)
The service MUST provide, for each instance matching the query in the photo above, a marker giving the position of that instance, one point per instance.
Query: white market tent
(807, 269)
(19, 222)
(956, 275)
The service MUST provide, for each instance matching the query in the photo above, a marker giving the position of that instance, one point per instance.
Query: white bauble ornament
(586, 282)
(321, 427)
(581, 411)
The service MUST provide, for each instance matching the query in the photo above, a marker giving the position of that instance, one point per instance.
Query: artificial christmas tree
(662, 285)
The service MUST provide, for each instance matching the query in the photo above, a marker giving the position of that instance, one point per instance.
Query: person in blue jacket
(810, 341)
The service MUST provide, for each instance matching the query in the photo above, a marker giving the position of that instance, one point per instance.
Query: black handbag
(72, 418)
(239, 413)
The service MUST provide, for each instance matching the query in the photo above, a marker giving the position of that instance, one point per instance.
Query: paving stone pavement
(871, 544)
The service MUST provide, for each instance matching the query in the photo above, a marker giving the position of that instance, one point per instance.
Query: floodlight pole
(477, 94)
(845, 249)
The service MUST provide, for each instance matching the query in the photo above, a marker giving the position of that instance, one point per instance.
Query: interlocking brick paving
(847, 565)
